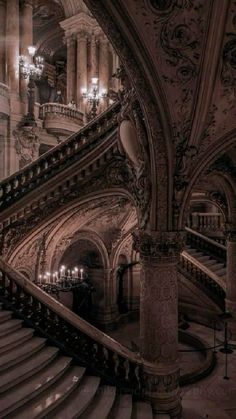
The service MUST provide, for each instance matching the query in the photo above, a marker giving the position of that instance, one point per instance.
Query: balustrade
(205, 244)
(200, 277)
(62, 111)
(59, 157)
(206, 221)
(87, 345)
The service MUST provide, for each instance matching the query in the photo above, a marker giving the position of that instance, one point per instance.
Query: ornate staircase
(37, 381)
(85, 374)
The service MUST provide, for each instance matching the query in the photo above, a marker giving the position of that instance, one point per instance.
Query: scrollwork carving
(26, 143)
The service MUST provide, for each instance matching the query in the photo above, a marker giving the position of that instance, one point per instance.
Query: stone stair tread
(5, 315)
(79, 400)
(17, 354)
(9, 326)
(23, 392)
(30, 366)
(122, 408)
(142, 410)
(102, 403)
(42, 404)
(15, 338)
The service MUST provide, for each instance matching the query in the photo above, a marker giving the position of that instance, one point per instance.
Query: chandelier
(34, 68)
(93, 98)
(62, 280)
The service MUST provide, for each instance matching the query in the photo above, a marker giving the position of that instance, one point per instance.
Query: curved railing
(205, 244)
(77, 338)
(61, 110)
(55, 160)
(202, 277)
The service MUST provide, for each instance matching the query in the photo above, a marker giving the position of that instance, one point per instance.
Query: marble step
(18, 354)
(5, 315)
(27, 368)
(122, 408)
(79, 400)
(101, 405)
(10, 326)
(142, 410)
(24, 392)
(41, 406)
(15, 339)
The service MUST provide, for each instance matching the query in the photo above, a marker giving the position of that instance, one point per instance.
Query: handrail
(207, 239)
(54, 160)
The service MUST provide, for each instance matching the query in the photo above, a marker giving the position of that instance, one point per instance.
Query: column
(26, 38)
(71, 68)
(103, 69)
(2, 41)
(82, 76)
(4, 149)
(230, 301)
(12, 50)
(93, 57)
(159, 318)
(115, 66)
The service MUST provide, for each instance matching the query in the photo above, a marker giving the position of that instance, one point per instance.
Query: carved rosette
(159, 245)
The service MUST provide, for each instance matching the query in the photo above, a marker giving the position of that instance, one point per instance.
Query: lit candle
(76, 272)
(81, 273)
(40, 279)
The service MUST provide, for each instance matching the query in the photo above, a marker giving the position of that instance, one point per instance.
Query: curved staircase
(37, 381)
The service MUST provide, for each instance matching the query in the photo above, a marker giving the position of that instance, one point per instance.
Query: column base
(162, 390)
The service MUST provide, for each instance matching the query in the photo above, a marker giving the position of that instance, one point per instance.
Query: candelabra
(93, 98)
(31, 69)
(64, 280)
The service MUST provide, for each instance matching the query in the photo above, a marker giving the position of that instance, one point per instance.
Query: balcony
(4, 100)
(60, 119)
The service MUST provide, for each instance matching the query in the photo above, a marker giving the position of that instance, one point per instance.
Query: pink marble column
(159, 318)
(26, 38)
(93, 56)
(2, 41)
(231, 280)
(82, 76)
(71, 68)
(103, 70)
(12, 49)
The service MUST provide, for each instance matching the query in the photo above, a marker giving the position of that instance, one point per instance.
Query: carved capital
(158, 245)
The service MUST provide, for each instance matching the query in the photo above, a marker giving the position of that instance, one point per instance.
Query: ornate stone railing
(206, 221)
(205, 244)
(4, 99)
(89, 346)
(201, 276)
(63, 110)
(58, 158)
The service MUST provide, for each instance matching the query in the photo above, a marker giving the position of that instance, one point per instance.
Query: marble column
(4, 147)
(12, 49)
(231, 280)
(159, 319)
(26, 39)
(93, 57)
(2, 41)
(115, 66)
(82, 76)
(71, 68)
(103, 70)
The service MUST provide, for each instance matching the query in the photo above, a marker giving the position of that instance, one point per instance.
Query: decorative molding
(26, 143)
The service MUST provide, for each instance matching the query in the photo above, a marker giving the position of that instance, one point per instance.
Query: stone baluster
(82, 75)
(26, 39)
(71, 67)
(159, 253)
(12, 40)
(2, 41)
